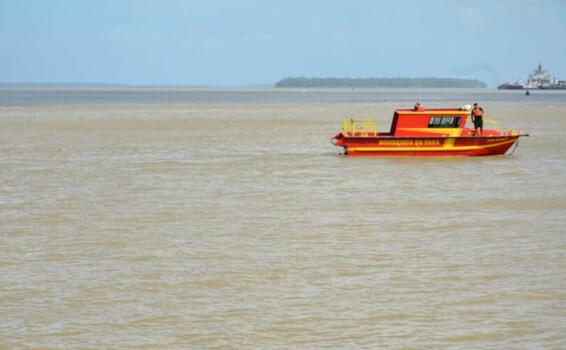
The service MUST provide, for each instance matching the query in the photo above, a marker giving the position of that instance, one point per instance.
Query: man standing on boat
(477, 118)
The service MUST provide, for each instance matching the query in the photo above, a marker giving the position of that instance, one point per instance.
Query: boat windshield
(444, 122)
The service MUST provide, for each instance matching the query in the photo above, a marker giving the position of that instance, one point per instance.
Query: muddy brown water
(183, 218)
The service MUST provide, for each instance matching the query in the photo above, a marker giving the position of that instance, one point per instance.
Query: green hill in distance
(304, 82)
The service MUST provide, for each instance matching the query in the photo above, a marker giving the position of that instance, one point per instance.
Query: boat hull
(510, 87)
(426, 146)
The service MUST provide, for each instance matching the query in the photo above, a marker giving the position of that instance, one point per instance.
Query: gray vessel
(540, 78)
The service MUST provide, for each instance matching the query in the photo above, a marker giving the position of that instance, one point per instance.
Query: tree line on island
(304, 82)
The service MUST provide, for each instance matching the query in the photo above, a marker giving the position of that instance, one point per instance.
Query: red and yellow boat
(425, 132)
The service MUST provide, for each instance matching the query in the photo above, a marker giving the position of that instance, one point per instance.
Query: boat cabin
(429, 122)
(421, 122)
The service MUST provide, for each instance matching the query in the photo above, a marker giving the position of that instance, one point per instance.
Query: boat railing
(360, 127)
(494, 125)
(491, 122)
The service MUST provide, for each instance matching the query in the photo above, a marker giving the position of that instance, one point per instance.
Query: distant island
(304, 82)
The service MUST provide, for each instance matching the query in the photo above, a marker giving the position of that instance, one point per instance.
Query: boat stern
(338, 139)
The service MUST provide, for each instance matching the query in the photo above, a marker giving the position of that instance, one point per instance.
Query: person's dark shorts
(478, 123)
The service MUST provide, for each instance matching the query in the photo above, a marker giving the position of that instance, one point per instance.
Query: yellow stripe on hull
(449, 143)
(441, 148)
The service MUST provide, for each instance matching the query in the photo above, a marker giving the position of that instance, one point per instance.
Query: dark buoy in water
(528, 93)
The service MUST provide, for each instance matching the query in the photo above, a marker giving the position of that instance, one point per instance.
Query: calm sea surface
(225, 219)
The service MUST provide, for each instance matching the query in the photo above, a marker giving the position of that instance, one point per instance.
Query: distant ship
(518, 85)
(559, 85)
(539, 79)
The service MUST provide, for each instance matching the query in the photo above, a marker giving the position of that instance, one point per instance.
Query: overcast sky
(246, 42)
